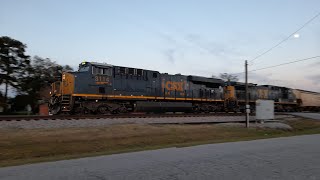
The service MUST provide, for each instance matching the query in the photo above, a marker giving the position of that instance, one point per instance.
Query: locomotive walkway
(295, 157)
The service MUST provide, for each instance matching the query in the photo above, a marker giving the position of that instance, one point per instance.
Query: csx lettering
(171, 86)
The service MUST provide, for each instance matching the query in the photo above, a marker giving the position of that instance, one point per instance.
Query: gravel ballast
(36, 124)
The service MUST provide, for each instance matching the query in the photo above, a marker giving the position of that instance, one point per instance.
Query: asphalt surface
(280, 158)
(315, 116)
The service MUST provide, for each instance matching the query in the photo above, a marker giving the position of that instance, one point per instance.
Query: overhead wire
(282, 64)
(285, 39)
(286, 63)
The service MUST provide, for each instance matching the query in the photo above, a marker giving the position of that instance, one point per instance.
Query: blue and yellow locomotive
(104, 88)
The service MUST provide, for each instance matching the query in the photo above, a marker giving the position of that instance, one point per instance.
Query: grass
(18, 146)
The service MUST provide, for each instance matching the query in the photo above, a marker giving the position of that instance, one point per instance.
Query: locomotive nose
(67, 84)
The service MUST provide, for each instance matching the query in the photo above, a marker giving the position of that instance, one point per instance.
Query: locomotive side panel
(276, 93)
(93, 80)
(130, 82)
(174, 86)
(83, 83)
(263, 93)
(203, 88)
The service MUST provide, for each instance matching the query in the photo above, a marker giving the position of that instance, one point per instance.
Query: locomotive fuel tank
(152, 106)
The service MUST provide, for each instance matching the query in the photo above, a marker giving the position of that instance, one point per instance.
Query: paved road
(308, 115)
(282, 158)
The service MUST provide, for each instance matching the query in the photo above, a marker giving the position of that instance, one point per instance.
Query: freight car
(307, 100)
(104, 88)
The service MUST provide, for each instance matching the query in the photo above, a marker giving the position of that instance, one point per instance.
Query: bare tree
(226, 77)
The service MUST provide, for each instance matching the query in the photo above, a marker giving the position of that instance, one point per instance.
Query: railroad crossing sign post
(247, 95)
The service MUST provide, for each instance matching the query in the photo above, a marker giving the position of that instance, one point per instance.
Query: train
(101, 88)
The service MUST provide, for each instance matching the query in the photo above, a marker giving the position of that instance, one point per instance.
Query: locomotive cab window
(131, 71)
(154, 75)
(107, 71)
(83, 68)
(122, 70)
(95, 70)
(139, 72)
(102, 71)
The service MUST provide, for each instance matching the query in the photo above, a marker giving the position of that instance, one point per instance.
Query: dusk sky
(203, 37)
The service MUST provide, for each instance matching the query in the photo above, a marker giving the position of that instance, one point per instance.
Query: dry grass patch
(25, 146)
(304, 126)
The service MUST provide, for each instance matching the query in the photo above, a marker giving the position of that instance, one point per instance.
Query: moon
(296, 35)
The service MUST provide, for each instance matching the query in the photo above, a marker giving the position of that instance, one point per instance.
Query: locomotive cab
(91, 78)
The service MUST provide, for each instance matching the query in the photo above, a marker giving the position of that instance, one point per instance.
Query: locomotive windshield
(84, 67)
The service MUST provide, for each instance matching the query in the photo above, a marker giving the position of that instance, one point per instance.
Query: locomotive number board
(102, 80)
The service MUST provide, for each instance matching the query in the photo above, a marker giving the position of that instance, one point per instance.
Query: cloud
(315, 64)
(315, 79)
(178, 46)
(214, 48)
(268, 79)
(167, 38)
(170, 54)
(311, 83)
(258, 78)
(312, 65)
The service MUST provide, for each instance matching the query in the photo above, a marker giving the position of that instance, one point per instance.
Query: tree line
(26, 75)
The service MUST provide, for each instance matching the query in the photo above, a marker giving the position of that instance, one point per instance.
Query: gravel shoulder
(47, 124)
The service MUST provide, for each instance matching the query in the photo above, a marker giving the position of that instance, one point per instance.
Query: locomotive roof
(101, 64)
(312, 92)
(275, 86)
(205, 79)
(234, 83)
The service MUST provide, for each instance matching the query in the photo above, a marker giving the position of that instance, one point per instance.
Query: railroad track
(111, 116)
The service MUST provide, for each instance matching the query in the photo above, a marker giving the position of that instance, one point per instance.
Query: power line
(285, 39)
(285, 63)
(291, 62)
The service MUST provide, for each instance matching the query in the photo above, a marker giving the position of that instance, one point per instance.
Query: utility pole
(247, 95)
